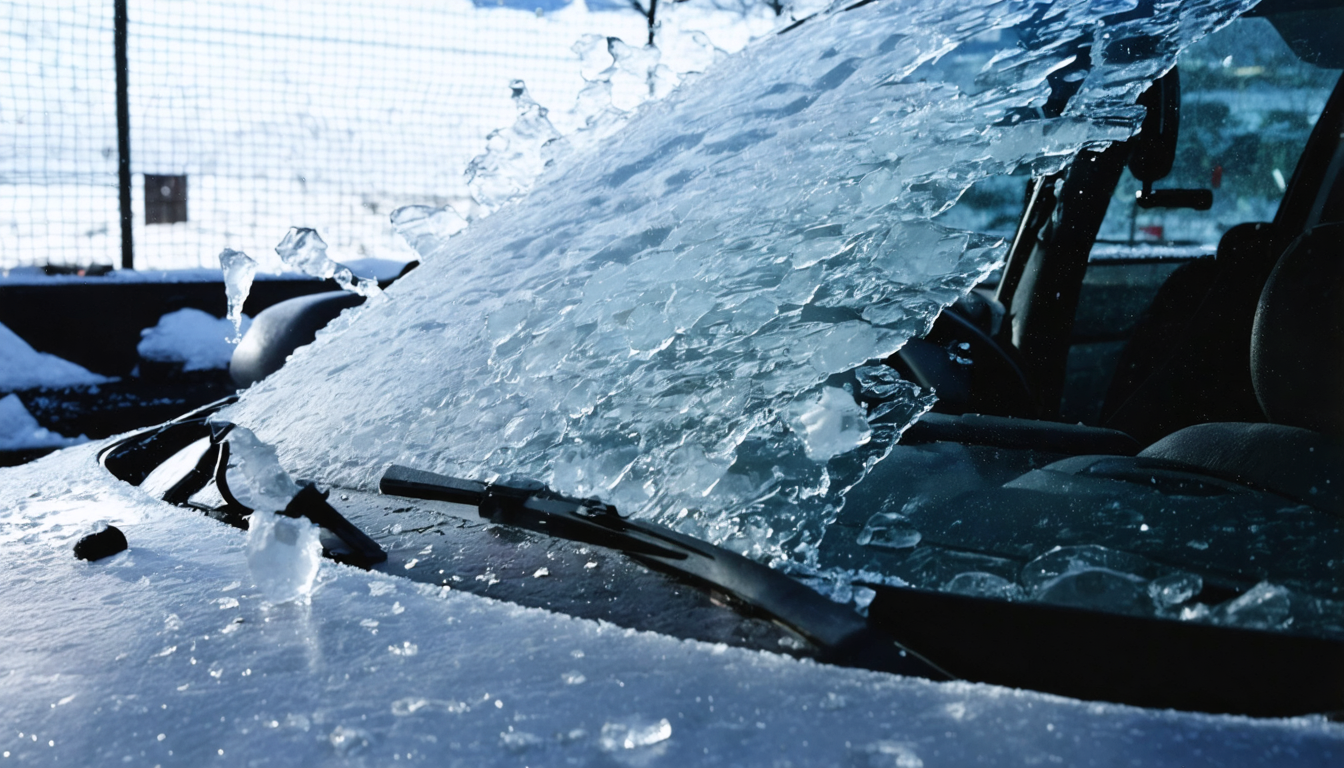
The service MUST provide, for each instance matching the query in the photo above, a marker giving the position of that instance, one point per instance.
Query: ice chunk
(255, 476)
(1173, 589)
(1096, 588)
(981, 584)
(1090, 576)
(283, 554)
(637, 75)
(889, 530)
(20, 431)
(198, 340)
(425, 228)
(303, 249)
(1264, 606)
(620, 736)
(513, 156)
(830, 424)
(22, 367)
(239, 269)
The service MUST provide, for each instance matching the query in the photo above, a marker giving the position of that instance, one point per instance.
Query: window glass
(1248, 105)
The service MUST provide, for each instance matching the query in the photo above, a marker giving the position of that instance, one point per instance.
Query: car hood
(166, 654)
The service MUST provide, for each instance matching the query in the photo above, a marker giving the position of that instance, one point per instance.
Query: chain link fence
(246, 118)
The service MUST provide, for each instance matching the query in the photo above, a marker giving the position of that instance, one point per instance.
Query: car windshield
(686, 318)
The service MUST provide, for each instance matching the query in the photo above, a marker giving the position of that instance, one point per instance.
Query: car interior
(1235, 367)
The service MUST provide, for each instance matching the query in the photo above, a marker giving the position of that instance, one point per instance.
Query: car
(724, 444)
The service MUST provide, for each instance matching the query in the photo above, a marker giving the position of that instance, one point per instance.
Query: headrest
(1297, 345)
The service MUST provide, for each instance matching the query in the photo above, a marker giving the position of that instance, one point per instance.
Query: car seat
(1188, 361)
(1297, 371)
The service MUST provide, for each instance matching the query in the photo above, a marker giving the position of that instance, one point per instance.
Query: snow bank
(198, 340)
(20, 431)
(22, 367)
(643, 323)
(167, 655)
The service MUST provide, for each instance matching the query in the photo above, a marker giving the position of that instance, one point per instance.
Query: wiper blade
(534, 508)
(843, 634)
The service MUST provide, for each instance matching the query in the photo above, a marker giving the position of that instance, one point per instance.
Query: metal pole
(123, 132)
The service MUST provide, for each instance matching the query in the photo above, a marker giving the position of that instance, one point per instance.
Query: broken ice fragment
(283, 554)
(513, 156)
(830, 425)
(1174, 589)
(981, 584)
(255, 476)
(889, 530)
(1096, 588)
(425, 228)
(1264, 606)
(633, 735)
(303, 249)
(238, 269)
(1090, 576)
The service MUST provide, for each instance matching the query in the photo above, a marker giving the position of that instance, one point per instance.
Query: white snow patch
(197, 339)
(22, 367)
(19, 430)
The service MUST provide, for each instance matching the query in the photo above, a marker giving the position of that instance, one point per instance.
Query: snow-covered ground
(198, 340)
(168, 655)
(22, 367)
(20, 431)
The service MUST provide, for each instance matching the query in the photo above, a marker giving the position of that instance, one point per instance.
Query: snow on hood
(167, 655)
(655, 322)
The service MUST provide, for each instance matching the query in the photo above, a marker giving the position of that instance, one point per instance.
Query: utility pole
(123, 131)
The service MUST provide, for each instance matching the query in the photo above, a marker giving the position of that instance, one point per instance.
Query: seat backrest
(1297, 344)
(1188, 361)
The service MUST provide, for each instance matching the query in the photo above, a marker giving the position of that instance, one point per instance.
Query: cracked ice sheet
(171, 638)
(640, 326)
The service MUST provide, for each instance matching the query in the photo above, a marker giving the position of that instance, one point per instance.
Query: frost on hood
(644, 325)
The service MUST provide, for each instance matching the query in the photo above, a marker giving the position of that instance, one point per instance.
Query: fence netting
(247, 118)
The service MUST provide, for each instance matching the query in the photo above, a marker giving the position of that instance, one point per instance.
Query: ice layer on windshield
(650, 323)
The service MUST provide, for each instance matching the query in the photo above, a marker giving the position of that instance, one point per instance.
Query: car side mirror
(1153, 150)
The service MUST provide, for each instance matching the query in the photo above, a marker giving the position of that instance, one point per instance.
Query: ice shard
(239, 269)
(304, 250)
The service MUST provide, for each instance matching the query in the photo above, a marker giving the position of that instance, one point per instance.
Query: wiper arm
(843, 634)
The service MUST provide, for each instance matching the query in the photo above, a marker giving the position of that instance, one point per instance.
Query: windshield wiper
(843, 635)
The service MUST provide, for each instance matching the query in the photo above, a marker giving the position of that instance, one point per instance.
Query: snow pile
(168, 654)
(643, 325)
(20, 431)
(198, 340)
(22, 367)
